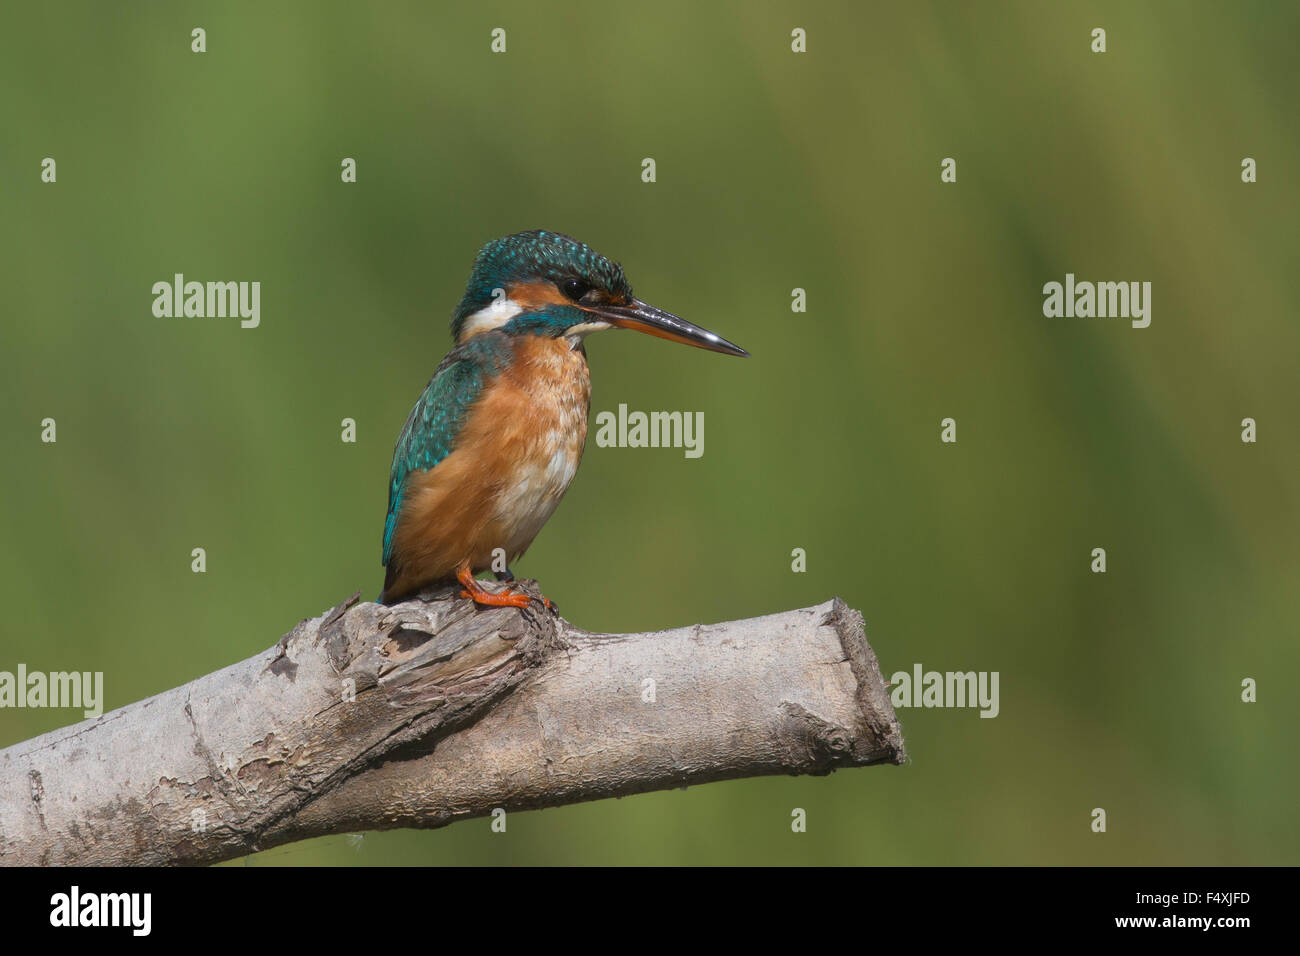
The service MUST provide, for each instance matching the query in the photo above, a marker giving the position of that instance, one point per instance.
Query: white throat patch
(576, 333)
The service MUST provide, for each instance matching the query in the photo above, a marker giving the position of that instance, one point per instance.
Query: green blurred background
(775, 171)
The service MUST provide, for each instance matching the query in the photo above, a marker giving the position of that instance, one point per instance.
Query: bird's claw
(507, 598)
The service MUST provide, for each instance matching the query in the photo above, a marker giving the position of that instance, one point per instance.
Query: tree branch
(435, 710)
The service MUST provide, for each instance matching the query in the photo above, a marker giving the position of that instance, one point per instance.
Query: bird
(493, 442)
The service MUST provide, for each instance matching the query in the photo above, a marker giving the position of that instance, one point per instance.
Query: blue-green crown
(536, 254)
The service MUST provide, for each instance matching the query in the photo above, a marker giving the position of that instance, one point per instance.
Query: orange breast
(514, 459)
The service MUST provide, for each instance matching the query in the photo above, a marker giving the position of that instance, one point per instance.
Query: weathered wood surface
(435, 710)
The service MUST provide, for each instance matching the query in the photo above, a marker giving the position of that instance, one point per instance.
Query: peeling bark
(434, 710)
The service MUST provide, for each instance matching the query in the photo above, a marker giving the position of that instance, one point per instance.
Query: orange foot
(506, 598)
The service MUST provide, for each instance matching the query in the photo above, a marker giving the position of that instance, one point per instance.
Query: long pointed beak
(646, 318)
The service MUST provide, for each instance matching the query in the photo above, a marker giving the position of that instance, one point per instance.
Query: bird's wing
(431, 429)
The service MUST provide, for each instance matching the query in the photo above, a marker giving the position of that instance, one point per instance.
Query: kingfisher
(493, 442)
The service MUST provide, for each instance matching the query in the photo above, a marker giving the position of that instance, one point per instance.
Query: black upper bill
(646, 318)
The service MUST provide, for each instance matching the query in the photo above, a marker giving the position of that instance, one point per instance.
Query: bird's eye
(574, 289)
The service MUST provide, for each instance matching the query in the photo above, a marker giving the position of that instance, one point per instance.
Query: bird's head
(544, 283)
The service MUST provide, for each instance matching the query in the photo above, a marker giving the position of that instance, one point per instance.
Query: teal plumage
(429, 434)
